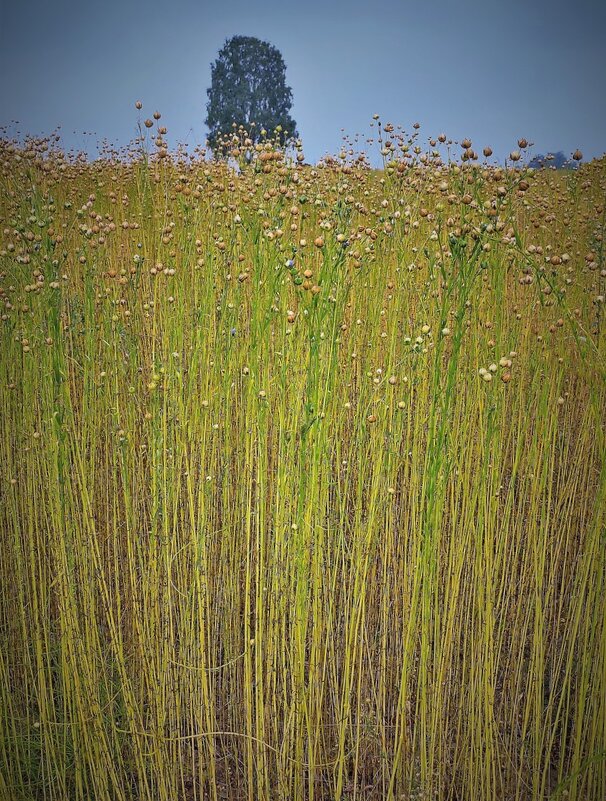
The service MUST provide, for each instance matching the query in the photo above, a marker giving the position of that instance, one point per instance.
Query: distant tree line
(557, 160)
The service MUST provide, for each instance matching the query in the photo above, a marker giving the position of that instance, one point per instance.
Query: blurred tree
(248, 88)
(557, 160)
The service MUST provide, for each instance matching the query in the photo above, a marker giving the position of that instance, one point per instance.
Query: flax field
(302, 474)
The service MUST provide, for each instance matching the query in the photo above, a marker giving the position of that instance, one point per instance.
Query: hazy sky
(493, 71)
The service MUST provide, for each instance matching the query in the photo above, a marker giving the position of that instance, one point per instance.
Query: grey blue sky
(493, 71)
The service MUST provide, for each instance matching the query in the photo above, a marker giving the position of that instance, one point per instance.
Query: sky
(491, 70)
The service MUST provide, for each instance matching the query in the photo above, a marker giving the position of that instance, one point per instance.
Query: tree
(557, 160)
(248, 88)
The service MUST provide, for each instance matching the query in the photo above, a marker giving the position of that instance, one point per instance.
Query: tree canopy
(248, 88)
(557, 160)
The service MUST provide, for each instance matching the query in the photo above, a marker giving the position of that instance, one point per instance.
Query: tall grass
(272, 536)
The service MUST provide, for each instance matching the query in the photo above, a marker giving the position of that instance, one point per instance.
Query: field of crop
(302, 478)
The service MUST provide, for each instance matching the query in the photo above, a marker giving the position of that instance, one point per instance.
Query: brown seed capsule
(372, 418)
(139, 105)
(319, 242)
(148, 123)
(487, 152)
